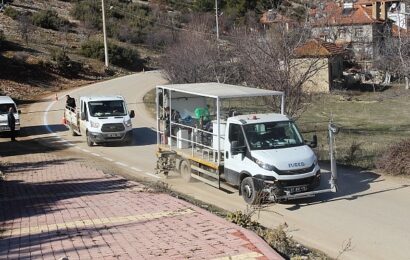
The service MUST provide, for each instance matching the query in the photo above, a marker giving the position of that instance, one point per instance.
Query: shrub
(49, 19)
(64, 64)
(86, 11)
(11, 12)
(120, 56)
(395, 160)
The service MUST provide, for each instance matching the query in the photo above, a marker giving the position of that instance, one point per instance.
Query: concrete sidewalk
(53, 208)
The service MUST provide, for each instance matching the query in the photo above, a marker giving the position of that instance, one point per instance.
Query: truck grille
(118, 127)
(299, 171)
(304, 181)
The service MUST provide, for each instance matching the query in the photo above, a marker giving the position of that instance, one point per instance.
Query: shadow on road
(41, 129)
(144, 136)
(352, 184)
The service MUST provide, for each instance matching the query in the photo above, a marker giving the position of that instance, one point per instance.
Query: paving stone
(57, 208)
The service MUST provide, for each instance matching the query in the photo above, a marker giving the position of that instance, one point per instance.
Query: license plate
(4, 128)
(113, 135)
(297, 189)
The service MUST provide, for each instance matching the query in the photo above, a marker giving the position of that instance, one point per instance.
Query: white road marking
(108, 159)
(136, 169)
(96, 154)
(45, 120)
(122, 164)
(84, 150)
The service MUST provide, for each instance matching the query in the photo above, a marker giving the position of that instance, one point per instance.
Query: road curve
(370, 211)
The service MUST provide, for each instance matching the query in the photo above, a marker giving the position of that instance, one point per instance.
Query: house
(360, 26)
(272, 17)
(329, 59)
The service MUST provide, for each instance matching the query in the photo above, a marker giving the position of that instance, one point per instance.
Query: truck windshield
(272, 135)
(4, 108)
(107, 108)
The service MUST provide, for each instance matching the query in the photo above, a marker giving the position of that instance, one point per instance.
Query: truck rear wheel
(89, 141)
(185, 169)
(250, 191)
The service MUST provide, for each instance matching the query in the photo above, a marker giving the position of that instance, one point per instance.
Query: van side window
(236, 134)
(85, 111)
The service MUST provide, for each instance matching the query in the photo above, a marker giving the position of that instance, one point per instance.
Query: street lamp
(105, 35)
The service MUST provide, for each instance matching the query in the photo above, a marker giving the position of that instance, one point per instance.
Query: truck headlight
(128, 123)
(265, 166)
(94, 124)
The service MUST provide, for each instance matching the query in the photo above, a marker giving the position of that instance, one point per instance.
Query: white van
(5, 103)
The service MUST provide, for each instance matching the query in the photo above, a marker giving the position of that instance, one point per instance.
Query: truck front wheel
(250, 191)
(89, 141)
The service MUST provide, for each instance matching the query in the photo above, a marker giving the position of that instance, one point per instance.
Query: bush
(395, 160)
(120, 56)
(87, 11)
(11, 12)
(64, 64)
(49, 19)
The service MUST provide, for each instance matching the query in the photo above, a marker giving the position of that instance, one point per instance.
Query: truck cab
(269, 149)
(101, 119)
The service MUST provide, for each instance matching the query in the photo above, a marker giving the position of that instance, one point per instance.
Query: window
(236, 134)
(107, 108)
(358, 32)
(272, 135)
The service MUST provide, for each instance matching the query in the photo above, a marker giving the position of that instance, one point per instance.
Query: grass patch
(369, 124)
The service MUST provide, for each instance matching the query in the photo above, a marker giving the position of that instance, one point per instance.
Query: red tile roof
(403, 32)
(271, 16)
(318, 48)
(333, 14)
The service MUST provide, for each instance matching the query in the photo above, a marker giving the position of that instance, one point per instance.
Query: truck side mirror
(236, 149)
(313, 144)
(19, 111)
(82, 116)
(132, 114)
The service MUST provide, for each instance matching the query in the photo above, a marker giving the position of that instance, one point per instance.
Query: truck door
(234, 161)
(83, 123)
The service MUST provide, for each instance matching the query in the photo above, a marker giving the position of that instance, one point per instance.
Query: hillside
(35, 61)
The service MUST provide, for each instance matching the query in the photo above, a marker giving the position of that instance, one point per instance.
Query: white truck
(264, 156)
(101, 119)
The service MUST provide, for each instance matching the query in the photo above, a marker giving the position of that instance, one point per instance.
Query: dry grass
(370, 123)
(395, 160)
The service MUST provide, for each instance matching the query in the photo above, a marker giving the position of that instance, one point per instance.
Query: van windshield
(4, 108)
(271, 135)
(107, 108)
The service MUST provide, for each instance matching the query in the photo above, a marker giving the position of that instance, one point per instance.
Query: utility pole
(216, 18)
(105, 35)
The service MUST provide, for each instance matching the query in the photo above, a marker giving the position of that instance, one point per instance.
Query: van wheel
(185, 169)
(89, 142)
(250, 191)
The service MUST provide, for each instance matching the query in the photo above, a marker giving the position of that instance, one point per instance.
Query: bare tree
(394, 55)
(196, 56)
(270, 62)
(25, 27)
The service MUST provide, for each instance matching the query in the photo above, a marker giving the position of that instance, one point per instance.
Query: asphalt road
(371, 212)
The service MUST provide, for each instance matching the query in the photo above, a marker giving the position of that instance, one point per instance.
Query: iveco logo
(296, 164)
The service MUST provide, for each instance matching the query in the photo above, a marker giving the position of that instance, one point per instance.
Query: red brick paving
(51, 208)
